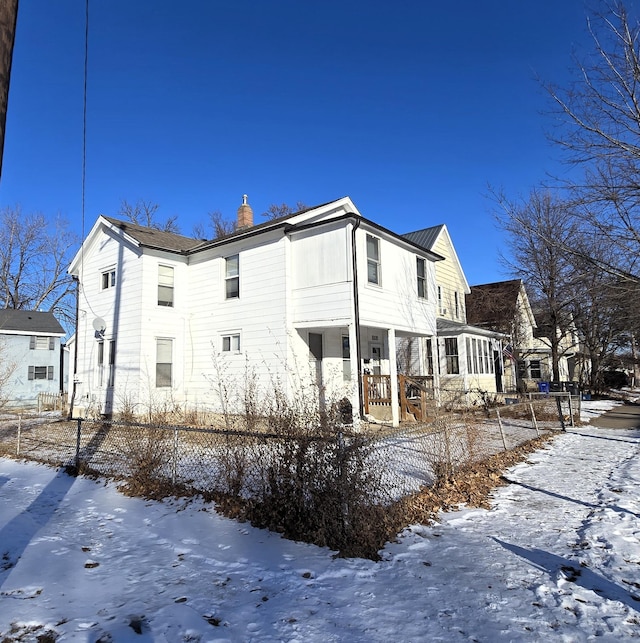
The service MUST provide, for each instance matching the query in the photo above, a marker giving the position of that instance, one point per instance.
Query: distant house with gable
(30, 355)
(504, 306)
(469, 357)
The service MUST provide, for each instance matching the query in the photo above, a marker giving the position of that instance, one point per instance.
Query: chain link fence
(324, 483)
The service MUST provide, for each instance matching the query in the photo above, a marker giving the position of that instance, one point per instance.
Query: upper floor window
(108, 279)
(421, 274)
(164, 363)
(41, 343)
(440, 309)
(373, 260)
(232, 277)
(456, 300)
(165, 286)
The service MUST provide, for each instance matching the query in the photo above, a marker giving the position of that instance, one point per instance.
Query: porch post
(356, 375)
(393, 373)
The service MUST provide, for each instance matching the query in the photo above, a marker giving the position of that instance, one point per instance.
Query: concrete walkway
(621, 417)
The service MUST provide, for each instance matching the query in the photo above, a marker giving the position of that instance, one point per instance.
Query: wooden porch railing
(415, 391)
(377, 391)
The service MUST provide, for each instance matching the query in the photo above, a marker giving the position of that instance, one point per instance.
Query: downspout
(75, 347)
(356, 313)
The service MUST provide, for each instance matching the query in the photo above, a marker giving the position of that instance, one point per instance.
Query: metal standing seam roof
(425, 237)
(29, 322)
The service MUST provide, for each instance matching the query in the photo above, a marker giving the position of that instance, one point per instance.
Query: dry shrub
(149, 454)
(303, 475)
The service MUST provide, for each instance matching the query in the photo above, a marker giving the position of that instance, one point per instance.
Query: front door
(375, 358)
(315, 363)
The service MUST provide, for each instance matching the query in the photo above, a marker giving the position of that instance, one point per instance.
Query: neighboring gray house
(29, 356)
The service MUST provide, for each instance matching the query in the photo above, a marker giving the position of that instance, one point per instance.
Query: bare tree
(217, 225)
(600, 133)
(144, 213)
(275, 211)
(34, 256)
(539, 229)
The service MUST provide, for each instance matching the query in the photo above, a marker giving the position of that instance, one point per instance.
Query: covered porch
(385, 365)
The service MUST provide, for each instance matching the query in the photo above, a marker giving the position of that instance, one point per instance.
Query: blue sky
(411, 108)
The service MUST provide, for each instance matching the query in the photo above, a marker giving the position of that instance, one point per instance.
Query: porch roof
(450, 327)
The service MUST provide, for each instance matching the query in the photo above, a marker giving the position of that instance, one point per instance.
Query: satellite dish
(99, 325)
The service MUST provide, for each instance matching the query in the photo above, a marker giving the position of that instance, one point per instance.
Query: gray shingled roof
(29, 322)
(425, 237)
(152, 238)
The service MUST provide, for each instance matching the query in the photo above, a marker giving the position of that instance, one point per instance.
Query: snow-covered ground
(556, 558)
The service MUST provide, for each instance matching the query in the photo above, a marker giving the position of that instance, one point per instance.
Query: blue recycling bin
(543, 387)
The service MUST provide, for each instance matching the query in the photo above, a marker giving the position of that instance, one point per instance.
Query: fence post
(504, 442)
(19, 433)
(533, 419)
(78, 445)
(560, 416)
(571, 412)
(174, 466)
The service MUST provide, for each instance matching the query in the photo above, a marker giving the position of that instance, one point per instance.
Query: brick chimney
(245, 214)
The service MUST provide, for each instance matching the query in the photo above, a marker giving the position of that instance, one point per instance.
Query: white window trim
(377, 262)
(235, 342)
(422, 279)
(112, 278)
(167, 304)
(228, 278)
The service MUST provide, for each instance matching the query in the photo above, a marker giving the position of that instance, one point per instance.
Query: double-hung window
(232, 277)
(535, 369)
(421, 274)
(373, 260)
(165, 286)
(164, 362)
(451, 354)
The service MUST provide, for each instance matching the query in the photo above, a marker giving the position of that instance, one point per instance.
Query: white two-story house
(315, 300)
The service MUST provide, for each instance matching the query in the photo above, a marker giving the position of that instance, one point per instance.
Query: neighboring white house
(30, 361)
(470, 362)
(317, 297)
(505, 306)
